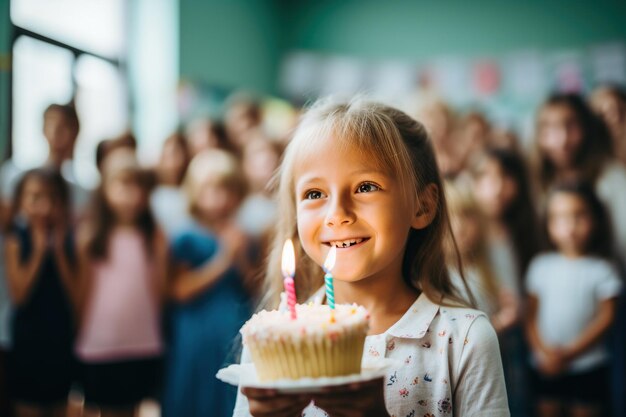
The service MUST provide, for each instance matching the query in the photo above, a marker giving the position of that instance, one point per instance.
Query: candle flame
(329, 263)
(288, 259)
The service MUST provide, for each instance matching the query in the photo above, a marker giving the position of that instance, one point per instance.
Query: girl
(168, 200)
(365, 173)
(502, 189)
(609, 102)
(122, 264)
(41, 285)
(573, 144)
(572, 295)
(257, 215)
(210, 301)
(500, 184)
(498, 298)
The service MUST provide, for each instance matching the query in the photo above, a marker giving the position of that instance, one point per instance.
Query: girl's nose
(339, 213)
(557, 136)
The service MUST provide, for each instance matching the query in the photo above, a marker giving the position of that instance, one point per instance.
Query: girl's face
(125, 196)
(343, 200)
(560, 135)
(259, 163)
(494, 189)
(37, 203)
(611, 109)
(200, 137)
(466, 229)
(215, 201)
(570, 223)
(59, 134)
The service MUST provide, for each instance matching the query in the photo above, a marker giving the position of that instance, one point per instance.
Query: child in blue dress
(210, 300)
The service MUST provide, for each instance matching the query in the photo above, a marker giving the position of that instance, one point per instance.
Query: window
(68, 50)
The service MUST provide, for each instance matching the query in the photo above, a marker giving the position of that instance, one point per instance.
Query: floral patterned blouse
(448, 365)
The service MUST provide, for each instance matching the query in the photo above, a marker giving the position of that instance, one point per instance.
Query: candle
(289, 271)
(329, 263)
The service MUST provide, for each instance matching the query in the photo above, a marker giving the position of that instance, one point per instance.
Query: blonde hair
(396, 144)
(215, 165)
(461, 202)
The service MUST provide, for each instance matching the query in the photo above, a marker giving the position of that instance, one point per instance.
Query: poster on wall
(451, 79)
(300, 75)
(568, 72)
(344, 76)
(486, 78)
(608, 63)
(391, 81)
(525, 75)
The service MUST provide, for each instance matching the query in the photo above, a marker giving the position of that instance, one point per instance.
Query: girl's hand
(361, 399)
(39, 235)
(268, 402)
(234, 242)
(552, 362)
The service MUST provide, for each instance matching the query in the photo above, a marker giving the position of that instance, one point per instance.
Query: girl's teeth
(346, 243)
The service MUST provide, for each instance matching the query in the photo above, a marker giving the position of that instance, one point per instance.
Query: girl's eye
(313, 195)
(367, 187)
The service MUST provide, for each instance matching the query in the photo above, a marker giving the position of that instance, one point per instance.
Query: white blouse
(449, 365)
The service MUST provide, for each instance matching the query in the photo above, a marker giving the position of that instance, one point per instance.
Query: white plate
(245, 375)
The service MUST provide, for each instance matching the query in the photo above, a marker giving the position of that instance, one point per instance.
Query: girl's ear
(427, 202)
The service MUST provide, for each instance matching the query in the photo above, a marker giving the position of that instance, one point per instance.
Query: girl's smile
(347, 243)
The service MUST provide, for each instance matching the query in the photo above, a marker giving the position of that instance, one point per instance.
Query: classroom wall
(240, 43)
(230, 43)
(427, 28)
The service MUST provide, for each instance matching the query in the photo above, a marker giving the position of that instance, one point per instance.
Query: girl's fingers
(374, 384)
(278, 407)
(269, 402)
(258, 393)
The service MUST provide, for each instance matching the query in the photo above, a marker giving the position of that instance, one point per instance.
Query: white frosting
(312, 320)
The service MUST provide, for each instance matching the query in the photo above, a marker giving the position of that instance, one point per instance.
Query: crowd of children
(138, 289)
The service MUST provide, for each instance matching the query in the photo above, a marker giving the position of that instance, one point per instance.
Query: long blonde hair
(461, 202)
(395, 143)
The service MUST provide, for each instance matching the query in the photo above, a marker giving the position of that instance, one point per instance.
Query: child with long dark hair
(574, 144)
(572, 293)
(122, 259)
(39, 266)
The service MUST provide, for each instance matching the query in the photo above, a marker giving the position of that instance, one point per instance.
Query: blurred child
(472, 135)
(210, 302)
(122, 259)
(5, 328)
(39, 266)
(243, 116)
(203, 134)
(108, 146)
(502, 193)
(498, 299)
(60, 129)
(609, 102)
(574, 144)
(257, 215)
(572, 295)
(502, 189)
(440, 121)
(168, 201)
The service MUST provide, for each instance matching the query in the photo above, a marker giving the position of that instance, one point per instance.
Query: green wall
(230, 43)
(239, 43)
(426, 28)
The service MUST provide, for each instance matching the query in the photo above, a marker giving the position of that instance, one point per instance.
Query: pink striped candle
(289, 271)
